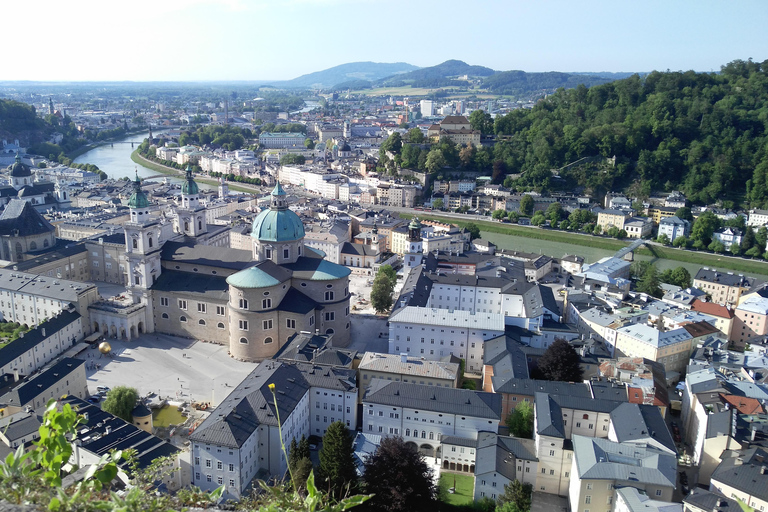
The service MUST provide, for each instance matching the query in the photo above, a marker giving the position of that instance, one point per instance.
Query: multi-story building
(36, 348)
(281, 140)
(609, 218)
(601, 466)
(670, 348)
(65, 377)
(657, 213)
(422, 415)
(674, 227)
(723, 315)
(241, 437)
(728, 236)
(436, 333)
(723, 287)
(500, 461)
(744, 478)
(757, 218)
(457, 129)
(638, 227)
(751, 319)
(402, 368)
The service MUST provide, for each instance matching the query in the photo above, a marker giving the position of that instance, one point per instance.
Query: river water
(114, 158)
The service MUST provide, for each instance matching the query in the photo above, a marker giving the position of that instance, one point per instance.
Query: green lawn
(465, 486)
(719, 261)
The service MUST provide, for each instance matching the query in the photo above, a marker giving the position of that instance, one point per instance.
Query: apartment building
(404, 368)
(750, 319)
(670, 348)
(723, 287)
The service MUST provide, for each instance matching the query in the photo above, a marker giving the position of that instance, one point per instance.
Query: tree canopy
(560, 362)
(399, 478)
(337, 469)
(121, 401)
(520, 420)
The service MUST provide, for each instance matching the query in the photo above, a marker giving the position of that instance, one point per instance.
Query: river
(114, 158)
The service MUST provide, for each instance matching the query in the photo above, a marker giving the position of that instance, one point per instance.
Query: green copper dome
(19, 169)
(189, 188)
(415, 224)
(138, 199)
(278, 224)
(252, 277)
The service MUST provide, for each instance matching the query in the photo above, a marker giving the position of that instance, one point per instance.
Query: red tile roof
(743, 404)
(710, 308)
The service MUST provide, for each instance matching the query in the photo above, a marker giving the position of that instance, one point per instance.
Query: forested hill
(520, 82)
(703, 133)
(437, 76)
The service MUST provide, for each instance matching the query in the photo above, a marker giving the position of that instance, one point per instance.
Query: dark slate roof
(712, 275)
(357, 249)
(508, 361)
(49, 255)
(530, 387)
(222, 257)
(459, 441)
(315, 348)
(26, 392)
(430, 398)
(121, 436)
(745, 476)
(251, 403)
(312, 266)
(549, 417)
(22, 216)
(34, 337)
(636, 423)
(586, 404)
(711, 502)
(416, 289)
(608, 390)
(20, 425)
(296, 302)
(172, 281)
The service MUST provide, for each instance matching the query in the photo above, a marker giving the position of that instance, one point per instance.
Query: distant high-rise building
(50, 106)
(427, 108)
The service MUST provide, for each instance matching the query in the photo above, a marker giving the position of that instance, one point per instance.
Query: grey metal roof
(712, 275)
(711, 502)
(530, 387)
(549, 416)
(315, 348)
(20, 216)
(34, 337)
(745, 473)
(392, 363)
(195, 254)
(431, 398)
(636, 423)
(19, 425)
(449, 318)
(507, 359)
(26, 392)
(43, 286)
(459, 441)
(601, 459)
(211, 287)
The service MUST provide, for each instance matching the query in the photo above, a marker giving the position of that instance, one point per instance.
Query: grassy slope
(661, 252)
(136, 157)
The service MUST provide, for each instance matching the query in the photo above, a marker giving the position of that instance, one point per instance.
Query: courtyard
(169, 366)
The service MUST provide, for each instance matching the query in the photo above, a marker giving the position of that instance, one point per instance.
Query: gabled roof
(549, 417)
(432, 398)
(34, 337)
(713, 309)
(26, 392)
(635, 423)
(745, 473)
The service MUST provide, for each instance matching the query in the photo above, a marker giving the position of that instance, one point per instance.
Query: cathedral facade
(252, 301)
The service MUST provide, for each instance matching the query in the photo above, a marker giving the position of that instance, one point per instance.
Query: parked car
(102, 389)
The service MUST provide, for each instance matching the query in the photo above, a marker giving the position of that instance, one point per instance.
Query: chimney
(43, 331)
(762, 470)
(15, 375)
(403, 357)
(317, 332)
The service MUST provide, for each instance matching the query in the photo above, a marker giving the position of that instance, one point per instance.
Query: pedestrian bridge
(630, 248)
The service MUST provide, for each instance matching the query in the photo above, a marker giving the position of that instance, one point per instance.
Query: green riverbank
(136, 157)
(558, 243)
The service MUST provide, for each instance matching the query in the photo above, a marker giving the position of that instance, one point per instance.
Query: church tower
(223, 189)
(190, 216)
(278, 233)
(142, 248)
(149, 137)
(50, 106)
(414, 250)
(375, 238)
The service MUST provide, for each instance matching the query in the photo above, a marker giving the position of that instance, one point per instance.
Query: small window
(165, 315)
(201, 322)
(267, 340)
(220, 325)
(182, 319)
(244, 341)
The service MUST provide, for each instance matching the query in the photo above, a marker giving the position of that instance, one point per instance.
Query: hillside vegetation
(703, 133)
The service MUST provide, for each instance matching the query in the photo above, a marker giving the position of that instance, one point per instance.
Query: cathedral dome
(278, 224)
(19, 169)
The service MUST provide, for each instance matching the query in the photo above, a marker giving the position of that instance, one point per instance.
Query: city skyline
(255, 40)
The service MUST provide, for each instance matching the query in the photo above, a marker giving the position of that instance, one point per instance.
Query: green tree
(520, 420)
(684, 213)
(393, 144)
(748, 240)
(415, 136)
(499, 214)
(337, 468)
(663, 239)
(526, 205)
(560, 362)
(121, 401)
(388, 271)
(481, 120)
(437, 204)
(435, 160)
(704, 227)
(678, 276)
(474, 230)
(309, 143)
(716, 246)
(681, 241)
(538, 219)
(513, 217)
(292, 159)
(554, 212)
(517, 494)
(649, 282)
(381, 293)
(399, 478)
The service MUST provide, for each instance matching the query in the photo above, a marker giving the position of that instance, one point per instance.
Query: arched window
(32, 246)
(267, 340)
(431, 435)
(201, 322)
(585, 417)
(135, 244)
(186, 226)
(423, 434)
(45, 243)
(182, 319)
(150, 241)
(244, 341)
(329, 331)
(165, 315)
(220, 325)
(407, 432)
(199, 224)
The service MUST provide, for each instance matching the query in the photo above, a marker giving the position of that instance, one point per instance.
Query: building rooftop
(27, 391)
(36, 336)
(393, 363)
(449, 318)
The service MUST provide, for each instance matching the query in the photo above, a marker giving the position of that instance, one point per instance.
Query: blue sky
(282, 39)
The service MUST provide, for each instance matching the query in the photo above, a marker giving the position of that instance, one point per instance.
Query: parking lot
(172, 367)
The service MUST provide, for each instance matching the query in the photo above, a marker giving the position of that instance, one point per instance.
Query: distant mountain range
(352, 71)
(451, 73)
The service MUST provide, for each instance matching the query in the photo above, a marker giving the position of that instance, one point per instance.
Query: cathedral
(253, 301)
